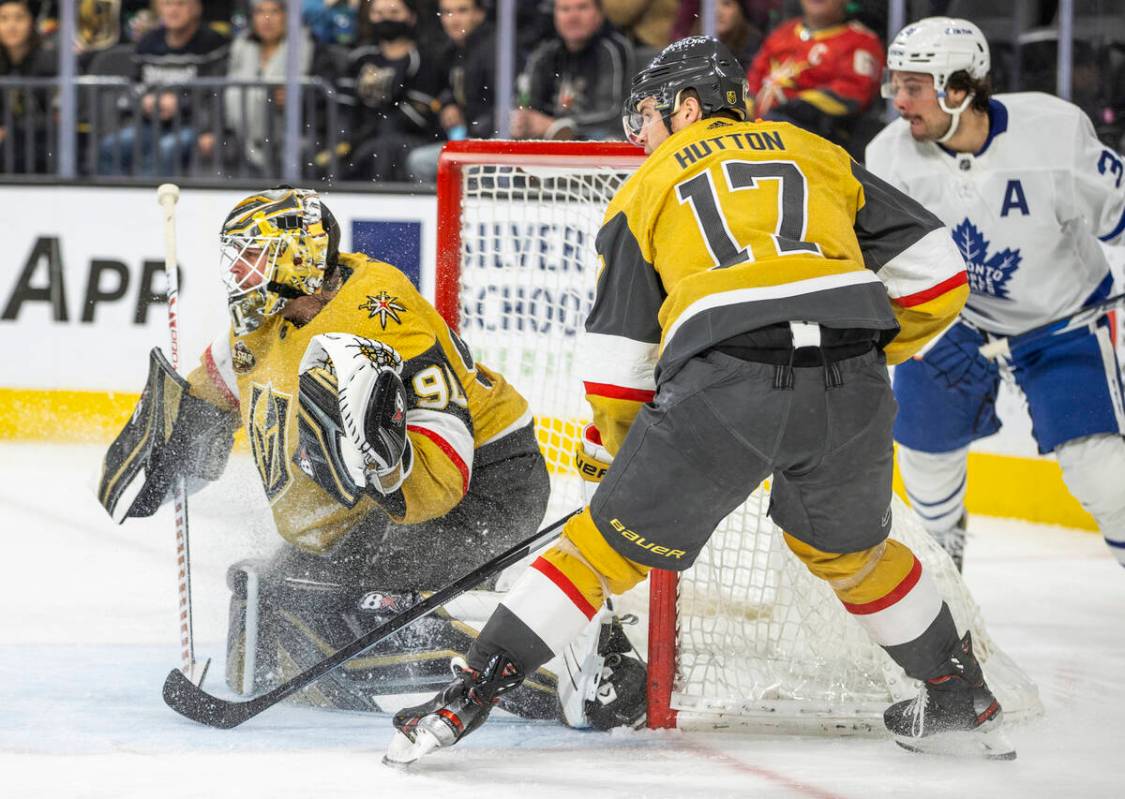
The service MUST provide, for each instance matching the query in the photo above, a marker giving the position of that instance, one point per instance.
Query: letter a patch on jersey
(1014, 199)
(267, 427)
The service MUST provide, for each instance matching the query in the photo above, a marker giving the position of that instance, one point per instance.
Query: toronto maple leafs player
(1028, 191)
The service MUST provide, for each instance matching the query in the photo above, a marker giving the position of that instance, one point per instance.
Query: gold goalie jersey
(732, 226)
(454, 405)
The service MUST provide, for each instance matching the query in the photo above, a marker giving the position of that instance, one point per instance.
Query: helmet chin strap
(955, 113)
(667, 117)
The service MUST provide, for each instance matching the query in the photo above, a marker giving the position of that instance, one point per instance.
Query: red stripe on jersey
(884, 602)
(619, 392)
(910, 300)
(552, 573)
(449, 451)
(217, 377)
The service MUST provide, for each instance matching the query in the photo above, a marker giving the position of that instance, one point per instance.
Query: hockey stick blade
(192, 702)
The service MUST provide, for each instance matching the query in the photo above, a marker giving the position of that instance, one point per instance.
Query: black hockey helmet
(702, 63)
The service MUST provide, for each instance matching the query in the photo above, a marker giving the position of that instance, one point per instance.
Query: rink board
(78, 273)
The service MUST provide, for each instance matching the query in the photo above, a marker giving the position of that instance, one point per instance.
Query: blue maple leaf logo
(987, 274)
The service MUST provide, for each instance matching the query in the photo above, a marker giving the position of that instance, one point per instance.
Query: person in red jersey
(819, 71)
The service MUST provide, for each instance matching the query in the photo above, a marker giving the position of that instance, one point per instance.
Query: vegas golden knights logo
(268, 417)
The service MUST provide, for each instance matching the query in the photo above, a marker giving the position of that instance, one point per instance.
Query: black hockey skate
(954, 714)
(457, 710)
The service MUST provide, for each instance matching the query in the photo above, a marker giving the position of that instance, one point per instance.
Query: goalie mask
(701, 63)
(276, 245)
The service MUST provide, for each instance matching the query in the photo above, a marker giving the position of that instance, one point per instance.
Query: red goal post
(747, 636)
(455, 157)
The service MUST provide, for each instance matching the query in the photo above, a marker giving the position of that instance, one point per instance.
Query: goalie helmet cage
(747, 637)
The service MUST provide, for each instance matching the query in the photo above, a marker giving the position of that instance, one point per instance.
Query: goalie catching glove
(171, 434)
(352, 417)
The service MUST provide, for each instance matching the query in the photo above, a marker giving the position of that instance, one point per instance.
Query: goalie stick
(1002, 347)
(167, 194)
(191, 701)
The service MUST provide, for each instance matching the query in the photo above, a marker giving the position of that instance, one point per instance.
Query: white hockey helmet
(939, 47)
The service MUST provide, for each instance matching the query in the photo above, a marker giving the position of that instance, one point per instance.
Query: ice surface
(87, 634)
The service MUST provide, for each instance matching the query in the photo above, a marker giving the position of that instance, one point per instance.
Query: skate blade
(987, 744)
(402, 752)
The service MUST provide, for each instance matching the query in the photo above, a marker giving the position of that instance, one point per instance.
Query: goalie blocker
(170, 434)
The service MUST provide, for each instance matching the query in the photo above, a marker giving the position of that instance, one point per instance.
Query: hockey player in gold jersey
(754, 283)
(393, 463)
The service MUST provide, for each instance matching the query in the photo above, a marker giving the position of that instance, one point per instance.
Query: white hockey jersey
(1026, 211)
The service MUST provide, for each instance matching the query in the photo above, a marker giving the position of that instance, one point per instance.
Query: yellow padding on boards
(892, 563)
(72, 417)
(999, 485)
(1018, 488)
(620, 573)
(61, 415)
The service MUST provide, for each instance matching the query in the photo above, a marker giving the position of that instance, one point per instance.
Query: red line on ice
(804, 789)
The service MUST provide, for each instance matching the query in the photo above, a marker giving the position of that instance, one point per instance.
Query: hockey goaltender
(442, 472)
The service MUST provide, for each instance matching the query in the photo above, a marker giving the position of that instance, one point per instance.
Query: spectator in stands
(174, 54)
(331, 21)
(139, 20)
(760, 14)
(646, 23)
(818, 71)
(574, 84)
(22, 55)
(734, 29)
(394, 84)
(535, 23)
(99, 25)
(254, 118)
(467, 99)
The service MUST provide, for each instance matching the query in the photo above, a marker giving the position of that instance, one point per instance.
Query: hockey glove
(170, 434)
(591, 459)
(955, 358)
(352, 417)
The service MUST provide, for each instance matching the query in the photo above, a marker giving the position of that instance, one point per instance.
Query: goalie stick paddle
(191, 701)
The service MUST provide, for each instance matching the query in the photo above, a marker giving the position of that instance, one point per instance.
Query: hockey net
(747, 636)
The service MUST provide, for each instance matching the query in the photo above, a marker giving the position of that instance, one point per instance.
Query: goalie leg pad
(289, 613)
(170, 434)
(601, 684)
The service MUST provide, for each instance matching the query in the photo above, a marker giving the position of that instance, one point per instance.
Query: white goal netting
(759, 641)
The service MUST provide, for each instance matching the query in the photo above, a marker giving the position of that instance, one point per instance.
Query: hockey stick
(1002, 347)
(167, 195)
(191, 701)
